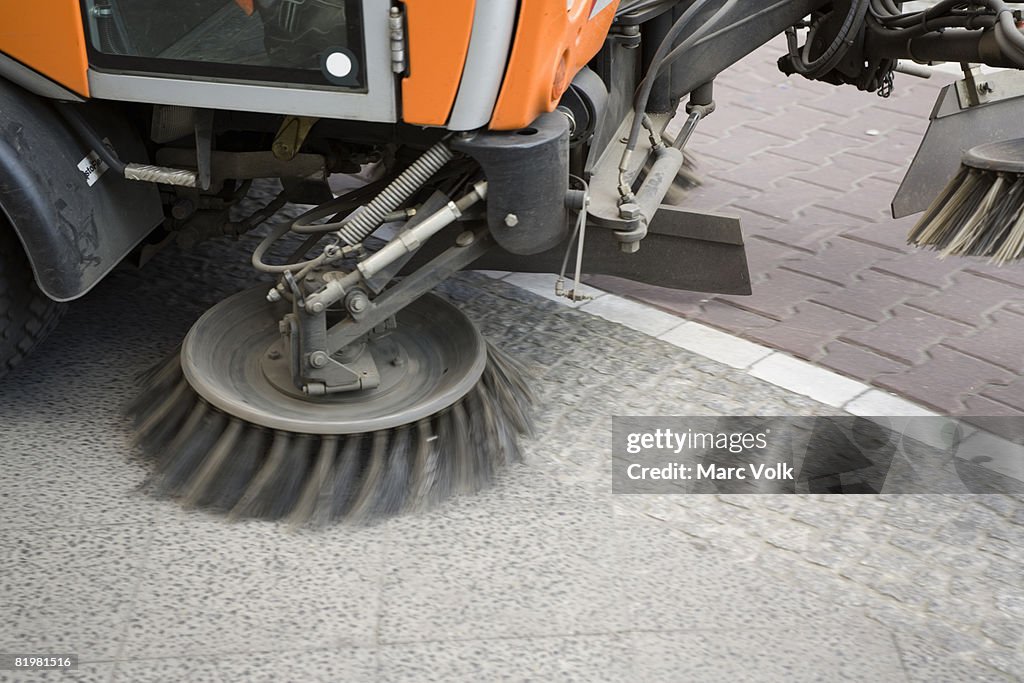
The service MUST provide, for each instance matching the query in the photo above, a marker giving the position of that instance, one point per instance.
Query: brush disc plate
(1006, 156)
(224, 359)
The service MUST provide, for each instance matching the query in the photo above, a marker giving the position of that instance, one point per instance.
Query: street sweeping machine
(521, 135)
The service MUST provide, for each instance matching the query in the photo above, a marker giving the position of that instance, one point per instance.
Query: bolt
(629, 247)
(314, 389)
(182, 209)
(465, 239)
(629, 212)
(273, 296)
(317, 307)
(318, 359)
(398, 361)
(357, 302)
(511, 220)
(274, 354)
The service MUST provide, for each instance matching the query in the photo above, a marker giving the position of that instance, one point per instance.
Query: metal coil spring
(395, 194)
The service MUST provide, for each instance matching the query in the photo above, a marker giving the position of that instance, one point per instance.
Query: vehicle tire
(26, 314)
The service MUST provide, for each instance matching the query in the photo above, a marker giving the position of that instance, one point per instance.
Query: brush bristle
(213, 461)
(979, 213)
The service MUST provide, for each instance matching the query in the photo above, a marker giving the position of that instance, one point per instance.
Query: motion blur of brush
(688, 177)
(981, 211)
(208, 459)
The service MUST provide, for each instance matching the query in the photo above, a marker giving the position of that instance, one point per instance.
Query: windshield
(316, 41)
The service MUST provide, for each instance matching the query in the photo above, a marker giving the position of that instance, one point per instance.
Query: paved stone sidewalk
(811, 170)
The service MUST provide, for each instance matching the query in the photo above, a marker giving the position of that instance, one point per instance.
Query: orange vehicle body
(551, 46)
(48, 37)
(438, 41)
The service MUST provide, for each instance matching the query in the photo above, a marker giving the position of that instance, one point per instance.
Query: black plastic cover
(527, 180)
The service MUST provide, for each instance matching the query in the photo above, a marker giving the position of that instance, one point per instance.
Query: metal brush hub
(433, 358)
(1005, 156)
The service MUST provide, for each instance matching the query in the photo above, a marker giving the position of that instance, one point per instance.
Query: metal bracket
(977, 88)
(630, 220)
(204, 146)
(314, 370)
(330, 360)
(290, 136)
(468, 248)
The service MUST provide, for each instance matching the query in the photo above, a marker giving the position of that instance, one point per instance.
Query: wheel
(26, 314)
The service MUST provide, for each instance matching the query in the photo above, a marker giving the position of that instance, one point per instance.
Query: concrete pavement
(545, 576)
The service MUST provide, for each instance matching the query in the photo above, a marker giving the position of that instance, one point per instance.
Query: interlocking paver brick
(857, 361)
(881, 121)
(809, 148)
(718, 195)
(947, 378)
(901, 335)
(801, 332)
(841, 102)
(840, 259)
(777, 299)
(736, 149)
(999, 342)
(841, 172)
(868, 200)
(786, 199)
(894, 147)
(810, 140)
(924, 267)
(975, 296)
(764, 255)
(1011, 394)
(723, 121)
(1011, 273)
(761, 166)
(871, 295)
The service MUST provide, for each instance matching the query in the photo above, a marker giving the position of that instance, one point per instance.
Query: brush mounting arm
(331, 358)
(468, 247)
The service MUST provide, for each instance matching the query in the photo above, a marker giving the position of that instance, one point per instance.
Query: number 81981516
(10, 662)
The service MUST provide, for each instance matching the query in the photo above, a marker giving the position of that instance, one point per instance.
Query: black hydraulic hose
(852, 25)
(88, 135)
(657, 60)
(667, 55)
(1005, 31)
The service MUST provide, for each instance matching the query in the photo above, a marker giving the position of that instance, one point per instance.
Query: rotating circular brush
(981, 211)
(227, 434)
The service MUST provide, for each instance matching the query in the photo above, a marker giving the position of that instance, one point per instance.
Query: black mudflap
(684, 250)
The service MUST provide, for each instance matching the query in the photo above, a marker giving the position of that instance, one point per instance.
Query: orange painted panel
(551, 46)
(439, 34)
(47, 35)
